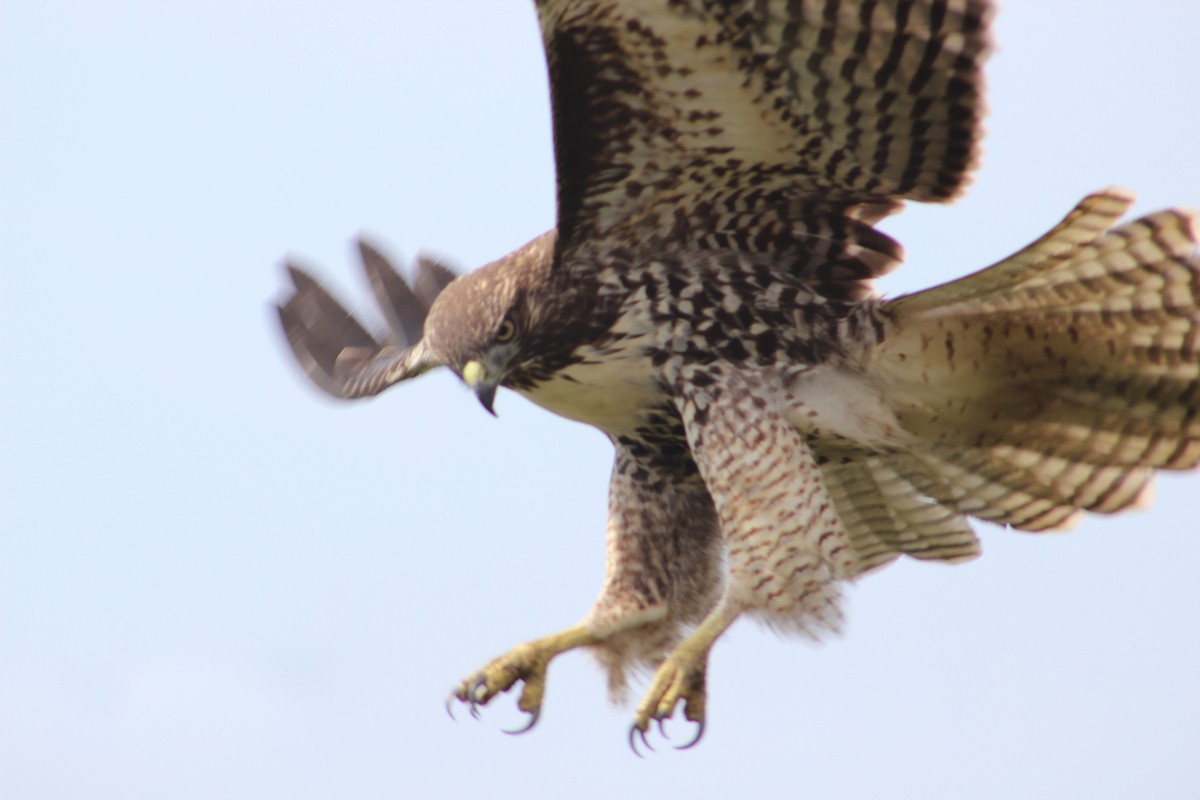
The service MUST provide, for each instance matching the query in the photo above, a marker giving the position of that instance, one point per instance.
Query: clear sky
(216, 583)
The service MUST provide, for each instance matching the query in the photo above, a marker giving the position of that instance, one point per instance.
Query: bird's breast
(613, 389)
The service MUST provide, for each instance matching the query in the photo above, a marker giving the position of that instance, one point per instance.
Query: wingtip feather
(338, 354)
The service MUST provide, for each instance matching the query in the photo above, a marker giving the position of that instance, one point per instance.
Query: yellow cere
(472, 373)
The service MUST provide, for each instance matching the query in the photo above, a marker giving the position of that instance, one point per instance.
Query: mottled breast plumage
(706, 301)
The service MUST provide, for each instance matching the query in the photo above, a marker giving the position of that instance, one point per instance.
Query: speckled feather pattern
(706, 302)
(756, 124)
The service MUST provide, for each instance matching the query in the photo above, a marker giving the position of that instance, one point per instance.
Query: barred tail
(1056, 381)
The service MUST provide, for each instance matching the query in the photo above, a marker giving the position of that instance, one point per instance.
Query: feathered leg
(664, 568)
(786, 546)
(663, 572)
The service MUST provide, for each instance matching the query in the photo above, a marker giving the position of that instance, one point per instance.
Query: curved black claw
(636, 733)
(528, 726)
(472, 698)
(467, 698)
(695, 739)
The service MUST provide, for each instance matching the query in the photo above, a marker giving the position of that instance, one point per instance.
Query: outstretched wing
(749, 124)
(337, 352)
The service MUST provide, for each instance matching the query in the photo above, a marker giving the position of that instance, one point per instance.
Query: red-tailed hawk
(705, 300)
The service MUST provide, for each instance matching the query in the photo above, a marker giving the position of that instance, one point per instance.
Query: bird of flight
(705, 300)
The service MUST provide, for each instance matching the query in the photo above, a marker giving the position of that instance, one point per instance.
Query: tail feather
(1103, 424)
(1084, 255)
(1058, 380)
(887, 515)
(1029, 490)
(978, 485)
(1087, 486)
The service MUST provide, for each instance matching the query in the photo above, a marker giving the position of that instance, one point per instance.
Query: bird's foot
(680, 678)
(525, 664)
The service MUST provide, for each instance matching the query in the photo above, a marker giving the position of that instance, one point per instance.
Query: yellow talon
(526, 663)
(682, 677)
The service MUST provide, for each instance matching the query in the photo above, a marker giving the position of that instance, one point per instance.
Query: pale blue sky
(216, 583)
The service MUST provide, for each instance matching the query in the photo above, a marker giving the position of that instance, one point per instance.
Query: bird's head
(479, 325)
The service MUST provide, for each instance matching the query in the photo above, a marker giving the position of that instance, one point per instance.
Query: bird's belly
(613, 395)
(825, 402)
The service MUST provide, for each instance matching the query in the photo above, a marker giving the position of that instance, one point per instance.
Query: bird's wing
(337, 352)
(747, 124)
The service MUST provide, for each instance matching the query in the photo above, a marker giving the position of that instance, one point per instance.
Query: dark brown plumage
(706, 302)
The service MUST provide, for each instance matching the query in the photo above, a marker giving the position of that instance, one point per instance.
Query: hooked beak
(475, 376)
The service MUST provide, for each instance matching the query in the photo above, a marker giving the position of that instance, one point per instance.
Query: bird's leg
(525, 663)
(785, 545)
(681, 677)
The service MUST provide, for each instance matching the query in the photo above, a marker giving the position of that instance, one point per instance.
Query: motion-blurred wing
(333, 347)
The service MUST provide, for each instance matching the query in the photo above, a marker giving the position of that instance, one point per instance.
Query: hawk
(706, 301)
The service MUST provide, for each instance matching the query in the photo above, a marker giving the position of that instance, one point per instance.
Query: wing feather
(776, 118)
(337, 352)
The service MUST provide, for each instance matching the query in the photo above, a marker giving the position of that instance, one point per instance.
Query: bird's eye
(506, 332)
